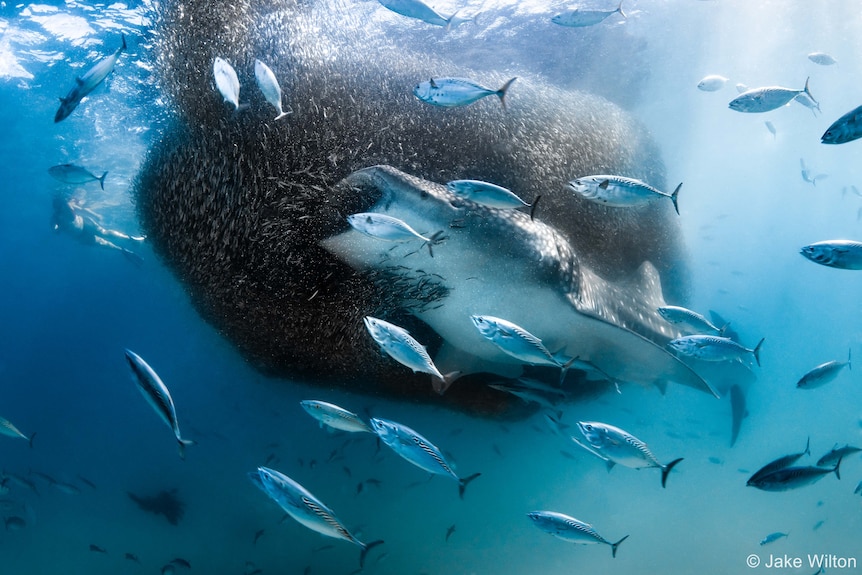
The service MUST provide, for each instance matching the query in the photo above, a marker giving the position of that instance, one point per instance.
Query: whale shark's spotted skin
(502, 263)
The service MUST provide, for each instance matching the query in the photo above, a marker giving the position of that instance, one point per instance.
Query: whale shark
(504, 264)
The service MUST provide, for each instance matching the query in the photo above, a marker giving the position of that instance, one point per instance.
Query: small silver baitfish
(570, 529)
(517, 342)
(808, 103)
(87, 83)
(807, 174)
(713, 348)
(157, 395)
(689, 320)
(842, 254)
(403, 348)
(8, 429)
(421, 11)
(822, 58)
(771, 127)
(759, 100)
(334, 416)
(772, 537)
(453, 92)
(823, 373)
(845, 129)
(268, 84)
(72, 174)
(578, 18)
(305, 508)
(615, 445)
(619, 191)
(712, 83)
(836, 454)
(417, 450)
(226, 81)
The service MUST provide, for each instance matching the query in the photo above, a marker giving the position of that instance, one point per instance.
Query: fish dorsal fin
(433, 83)
(604, 184)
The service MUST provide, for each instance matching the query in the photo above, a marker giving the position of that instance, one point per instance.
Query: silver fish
(570, 529)
(740, 88)
(689, 320)
(713, 348)
(305, 508)
(836, 454)
(772, 537)
(268, 84)
(453, 92)
(822, 58)
(403, 348)
(334, 416)
(823, 373)
(421, 11)
(759, 100)
(517, 342)
(771, 127)
(8, 429)
(72, 174)
(615, 445)
(806, 101)
(226, 81)
(87, 83)
(619, 191)
(845, 129)
(842, 254)
(712, 83)
(807, 174)
(157, 395)
(485, 193)
(418, 450)
(384, 227)
(578, 18)
(789, 478)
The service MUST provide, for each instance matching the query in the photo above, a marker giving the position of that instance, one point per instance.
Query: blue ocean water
(68, 310)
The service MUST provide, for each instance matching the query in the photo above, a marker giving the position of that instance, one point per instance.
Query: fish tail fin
(620, 9)
(102, 180)
(31, 438)
(533, 207)
(564, 369)
(183, 443)
(617, 544)
(366, 547)
(836, 468)
(757, 350)
(441, 385)
(723, 329)
(848, 359)
(462, 484)
(123, 47)
(673, 198)
(455, 20)
(501, 93)
(666, 469)
(807, 446)
(283, 114)
(807, 91)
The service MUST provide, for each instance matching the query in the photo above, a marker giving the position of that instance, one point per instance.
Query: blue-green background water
(67, 311)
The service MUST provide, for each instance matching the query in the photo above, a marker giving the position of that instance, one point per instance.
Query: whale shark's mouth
(502, 263)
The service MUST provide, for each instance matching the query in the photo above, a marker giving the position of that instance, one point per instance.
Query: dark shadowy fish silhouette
(836, 454)
(780, 463)
(164, 503)
(818, 525)
(132, 557)
(257, 535)
(97, 549)
(789, 478)
(359, 488)
(87, 481)
(15, 523)
(449, 531)
(737, 411)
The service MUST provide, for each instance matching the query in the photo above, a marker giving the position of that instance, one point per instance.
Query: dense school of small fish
(704, 340)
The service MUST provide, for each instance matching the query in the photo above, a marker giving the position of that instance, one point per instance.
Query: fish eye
(588, 427)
